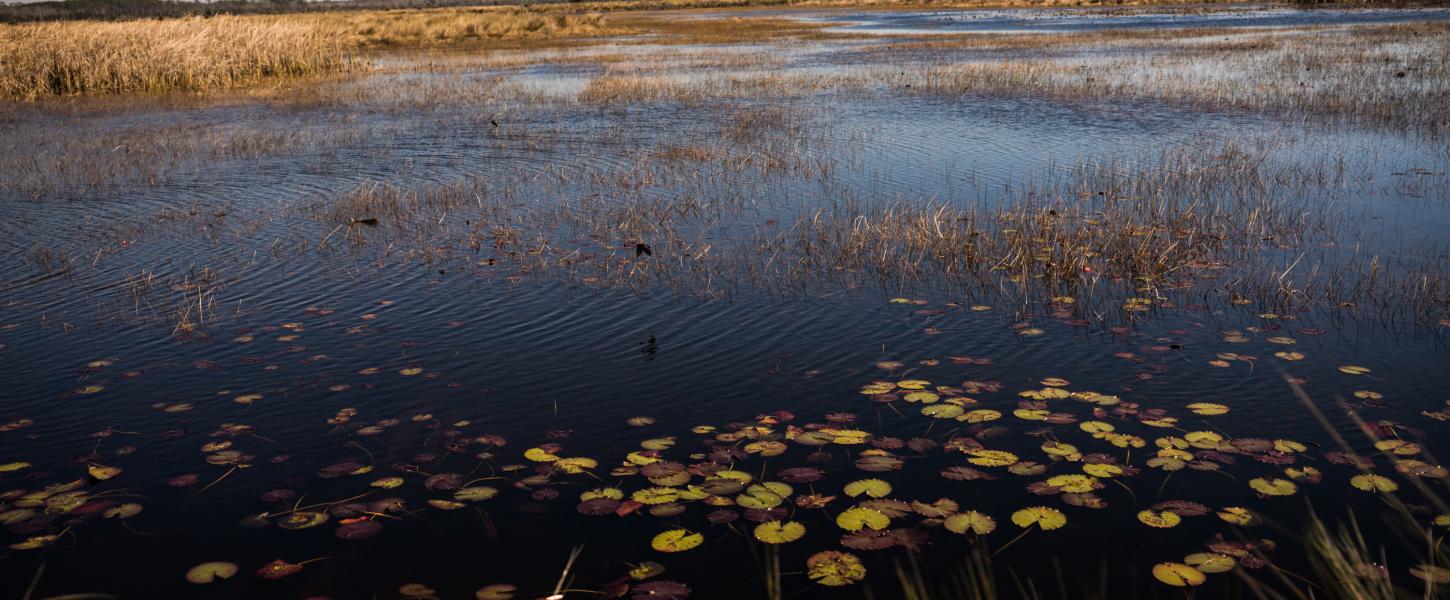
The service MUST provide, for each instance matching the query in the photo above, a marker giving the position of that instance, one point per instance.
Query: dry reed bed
(413, 28)
(192, 54)
(58, 59)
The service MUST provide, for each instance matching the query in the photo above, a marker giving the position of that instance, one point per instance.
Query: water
(452, 348)
(1091, 19)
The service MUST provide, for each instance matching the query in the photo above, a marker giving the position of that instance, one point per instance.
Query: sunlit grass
(192, 54)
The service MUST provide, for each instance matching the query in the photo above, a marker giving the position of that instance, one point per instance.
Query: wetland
(787, 302)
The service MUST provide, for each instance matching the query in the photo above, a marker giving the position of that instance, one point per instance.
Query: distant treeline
(58, 10)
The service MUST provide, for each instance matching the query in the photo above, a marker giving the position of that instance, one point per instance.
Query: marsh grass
(1384, 74)
(1210, 222)
(157, 155)
(1206, 222)
(417, 28)
(39, 60)
(191, 54)
(1389, 74)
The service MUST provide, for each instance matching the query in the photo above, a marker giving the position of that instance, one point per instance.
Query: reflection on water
(246, 323)
(1088, 19)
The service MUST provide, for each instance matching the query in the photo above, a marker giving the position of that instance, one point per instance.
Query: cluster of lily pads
(775, 478)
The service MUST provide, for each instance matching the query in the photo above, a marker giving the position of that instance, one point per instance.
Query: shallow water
(1092, 19)
(563, 335)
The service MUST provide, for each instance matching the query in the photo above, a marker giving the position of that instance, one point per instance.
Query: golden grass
(366, 29)
(192, 54)
(57, 59)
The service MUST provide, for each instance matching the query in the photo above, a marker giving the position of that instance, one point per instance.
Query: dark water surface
(333, 355)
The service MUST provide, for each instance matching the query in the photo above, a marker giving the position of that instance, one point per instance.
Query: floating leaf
(1061, 450)
(1104, 470)
(1288, 446)
(776, 532)
(610, 493)
(676, 540)
(416, 590)
(874, 488)
(939, 509)
(1210, 562)
(539, 455)
(477, 493)
(991, 458)
(1046, 518)
(646, 570)
(101, 472)
(576, 465)
(943, 411)
(834, 569)
(980, 415)
(972, 521)
(853, 519)
(1178, 574)
(1208, 408)
(1160, 519)
(1073, 482)
(1273, 487)
(760, 498)
(923, 397)
(496, 592)
(277, 569)
(1370, 482)
(766, 448)
(211, 571)
(1353, 370)
(657, 495)
(302, 520)
(122, 511)
(33, 542)
(1238, 516)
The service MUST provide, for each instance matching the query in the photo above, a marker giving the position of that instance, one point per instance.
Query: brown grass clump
(366, 29)
(57, 59)
(39, 60)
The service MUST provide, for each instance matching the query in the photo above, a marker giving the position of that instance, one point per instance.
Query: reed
(192, 54)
